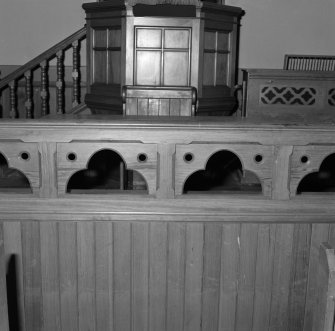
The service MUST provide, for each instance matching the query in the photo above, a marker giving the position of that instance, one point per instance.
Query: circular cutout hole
(188, 157)
(25, 156)
(142, 157)
(71, 156)
(304, 159)
(258, 158)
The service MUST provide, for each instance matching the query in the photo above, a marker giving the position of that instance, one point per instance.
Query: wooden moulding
(165, 142)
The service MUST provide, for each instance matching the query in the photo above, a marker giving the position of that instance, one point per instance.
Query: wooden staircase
(28, 91)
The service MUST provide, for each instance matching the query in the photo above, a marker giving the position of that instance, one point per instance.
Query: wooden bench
(159, 101)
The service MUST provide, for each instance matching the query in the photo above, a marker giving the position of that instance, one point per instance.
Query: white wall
(29, 27)
(272, 28)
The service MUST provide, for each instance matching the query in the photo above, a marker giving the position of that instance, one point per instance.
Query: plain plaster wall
(270, 28)
(29, 27)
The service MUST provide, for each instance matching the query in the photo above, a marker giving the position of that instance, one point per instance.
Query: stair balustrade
(42, 63)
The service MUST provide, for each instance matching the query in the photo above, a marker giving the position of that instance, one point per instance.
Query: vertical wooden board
(299, 275)
(104, 275)
(157, 276)
(50, 276)
(131, 106)
(122, 276)
(153, 107)
(319, 235)
(185, 107)
(282, 263)
(164, 107)
(264, 274)
(331, 235)
(86, 276)
(48, 171)
(211, 276)
(230, 256)
(4, 323)
(142, 107)
(247, 276)
(174, 107)
(175, 276)
(68, 275)
(13, 251)
(31, 255)
(140, 283)
(193, 276)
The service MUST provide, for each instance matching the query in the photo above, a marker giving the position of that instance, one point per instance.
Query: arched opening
(12, 180)
(321, 181)
(223, 173)
(106, 173)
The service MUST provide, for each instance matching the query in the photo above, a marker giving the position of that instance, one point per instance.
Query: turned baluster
(60, 82)
(13, 100)
(75, 74)
(29, 100)
(44, 88)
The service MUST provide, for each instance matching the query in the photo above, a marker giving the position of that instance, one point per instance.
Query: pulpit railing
(10, 84)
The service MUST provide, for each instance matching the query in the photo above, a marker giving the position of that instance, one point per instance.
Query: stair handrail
(45, 56)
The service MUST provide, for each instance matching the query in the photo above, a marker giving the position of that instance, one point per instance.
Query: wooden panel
(148, 68)
(164, 107)
(122, 276)
(282, 264)
(211, 277)
(86, 276)
(153, 107)
(247, 276)
(222, 69)
(175, 277)
(148, 38)
(176, 38)
(114, 67)
(246, 153)
(100, 67)
(114, 38)
(176, 68)
(167, 276)
(140, 276)
(104, 275)
(264, 274)
(299, 276)
(4, 323)
(223, 41)
(142, 107)
(230, 256)
(174, 107)
(210, 40)
(50, 276)
(157, 276)
(128, 151)
(100, 38)
(31, 256)
(193, 276)
(68, 275)
(208, 76)
(306, 160)
(319, 235)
